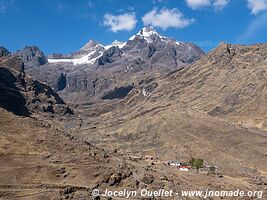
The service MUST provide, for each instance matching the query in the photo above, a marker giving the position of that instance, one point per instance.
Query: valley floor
(38, 161)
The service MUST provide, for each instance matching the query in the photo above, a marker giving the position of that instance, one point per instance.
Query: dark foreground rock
(23, 95)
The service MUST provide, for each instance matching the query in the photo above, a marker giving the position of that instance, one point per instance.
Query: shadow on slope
(11, 99)
(118, 93)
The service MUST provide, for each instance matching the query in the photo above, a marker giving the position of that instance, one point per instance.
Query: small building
(174, 163)
(185, 168)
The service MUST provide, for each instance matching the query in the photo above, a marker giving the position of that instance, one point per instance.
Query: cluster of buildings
(186, 167)
(181, 166)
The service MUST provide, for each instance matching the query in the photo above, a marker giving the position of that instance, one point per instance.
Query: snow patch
(147, 31)
(132, 38)
(78, 61)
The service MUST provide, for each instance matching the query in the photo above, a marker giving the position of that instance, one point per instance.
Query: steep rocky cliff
(24, 95)
(32, 56)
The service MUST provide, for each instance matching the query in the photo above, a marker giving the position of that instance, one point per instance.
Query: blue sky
(65, 26)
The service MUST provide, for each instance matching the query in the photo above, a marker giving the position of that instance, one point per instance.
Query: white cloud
(126, 21)
(195, 4)
(257, 6)
(166, 18)
(216, 4)
(220, 4)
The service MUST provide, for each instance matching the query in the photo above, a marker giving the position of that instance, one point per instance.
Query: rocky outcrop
(4, 52)
(92, 47)
(62, 81)
(32, 56)
(10, 98)
(24, 95)
(109, 55)
(148, 89)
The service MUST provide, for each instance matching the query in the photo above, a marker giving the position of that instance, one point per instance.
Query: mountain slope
(192, 112)
(230, 82)
(96, 69)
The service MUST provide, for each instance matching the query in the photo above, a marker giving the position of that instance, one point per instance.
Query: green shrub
(196, 163)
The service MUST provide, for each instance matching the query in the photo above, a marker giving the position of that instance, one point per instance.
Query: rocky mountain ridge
(32, 57)
(95, 70)
(24, 95)
(4, 52)
(148, 34)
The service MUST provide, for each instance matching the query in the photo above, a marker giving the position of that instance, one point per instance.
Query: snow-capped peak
(150, 35)
(92, 50)
(146, 33)
(91, 45)
(115, 43)
(86, 55)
